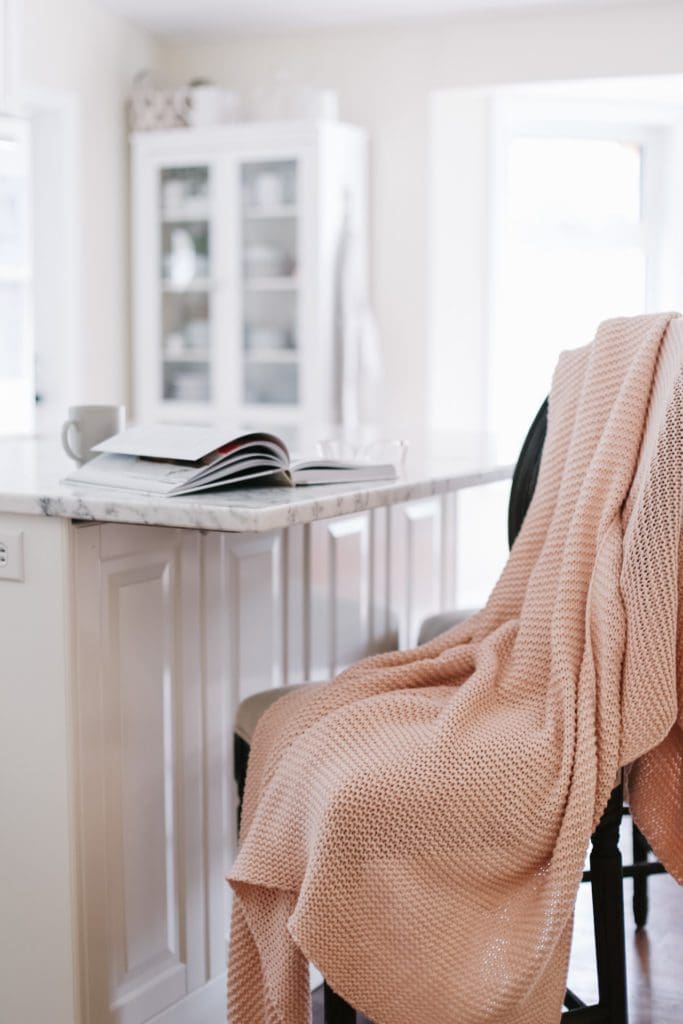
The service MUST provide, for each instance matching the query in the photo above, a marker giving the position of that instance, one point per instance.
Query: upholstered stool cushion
(437, 624)
(251, 709)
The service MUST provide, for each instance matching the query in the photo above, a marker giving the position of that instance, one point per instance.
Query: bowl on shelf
(264, 337)
(185, 198)
(267, 261)
(271, 384)
(268, 189)
(191, 385)
(194, 208)
(197, 334)
(174, 344)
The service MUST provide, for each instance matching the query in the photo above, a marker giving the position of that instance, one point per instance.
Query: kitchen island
(135, 627)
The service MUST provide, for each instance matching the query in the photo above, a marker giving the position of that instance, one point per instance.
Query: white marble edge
(240, 510)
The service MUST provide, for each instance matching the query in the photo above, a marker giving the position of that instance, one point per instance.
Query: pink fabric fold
(417, 829)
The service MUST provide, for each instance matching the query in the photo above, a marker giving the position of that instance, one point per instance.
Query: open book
(173, 460)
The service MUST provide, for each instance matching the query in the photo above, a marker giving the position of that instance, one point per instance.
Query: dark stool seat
(251, 709)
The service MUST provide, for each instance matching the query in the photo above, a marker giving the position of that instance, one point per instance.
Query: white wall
(385, 77)
(459, 258)
(78, 61)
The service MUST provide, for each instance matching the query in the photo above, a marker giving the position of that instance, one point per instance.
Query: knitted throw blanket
(417, 829)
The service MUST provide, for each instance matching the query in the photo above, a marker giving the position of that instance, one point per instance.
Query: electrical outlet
(11, 555)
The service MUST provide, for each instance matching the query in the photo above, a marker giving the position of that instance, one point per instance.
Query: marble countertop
(31, 470)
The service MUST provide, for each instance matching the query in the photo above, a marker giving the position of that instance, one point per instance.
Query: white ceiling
(203, 16)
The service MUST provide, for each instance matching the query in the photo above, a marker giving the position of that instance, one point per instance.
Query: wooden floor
(655, 955)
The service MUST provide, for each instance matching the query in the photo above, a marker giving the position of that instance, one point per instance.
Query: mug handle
(65, 439)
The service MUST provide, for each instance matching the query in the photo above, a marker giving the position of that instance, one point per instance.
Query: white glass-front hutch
(236, 245)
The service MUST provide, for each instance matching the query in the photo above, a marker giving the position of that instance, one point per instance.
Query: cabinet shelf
(198, 284)
(200, 356)
(270, 212)
(271, 284)
(271, 355)
(186, 216)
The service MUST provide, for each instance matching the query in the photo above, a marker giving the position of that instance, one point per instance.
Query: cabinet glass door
(186, 280)
(270, 287)
(17, 400)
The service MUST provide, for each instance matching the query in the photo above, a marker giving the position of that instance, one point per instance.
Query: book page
(163, 441)
(327, 471)
(129, 473)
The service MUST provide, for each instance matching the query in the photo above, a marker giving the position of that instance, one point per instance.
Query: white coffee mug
(87, 425)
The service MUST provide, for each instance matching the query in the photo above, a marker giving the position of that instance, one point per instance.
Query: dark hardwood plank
(654, 955)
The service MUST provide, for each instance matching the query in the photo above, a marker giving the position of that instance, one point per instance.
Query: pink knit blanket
(417, 828)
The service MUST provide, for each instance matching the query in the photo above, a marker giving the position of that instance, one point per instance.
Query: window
(552, 207)
(16, 354)
(577, 238)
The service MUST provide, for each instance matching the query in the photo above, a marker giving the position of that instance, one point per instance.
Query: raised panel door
(139, 699)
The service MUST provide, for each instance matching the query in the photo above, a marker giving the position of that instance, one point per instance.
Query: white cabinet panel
(339, 593)
(450, 525)
(140, 701)
(384, 621)
(297, 555)
(174, 628)
(244, 645)
(253, 570)
(139, 698)
(150, 637)
(221, 696)
(338, 597)
(416, 565)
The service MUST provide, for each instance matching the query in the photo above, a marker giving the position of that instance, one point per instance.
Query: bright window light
(574, 183)
(572, 251)
(16, 350)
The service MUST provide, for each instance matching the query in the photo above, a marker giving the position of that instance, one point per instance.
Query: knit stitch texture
(417, 828)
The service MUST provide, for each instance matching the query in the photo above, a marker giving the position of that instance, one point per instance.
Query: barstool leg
(336, 1010)
(641, 848)
(608, 913)
(240, 761)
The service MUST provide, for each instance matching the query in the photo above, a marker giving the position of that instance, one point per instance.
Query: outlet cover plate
(12, 555)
